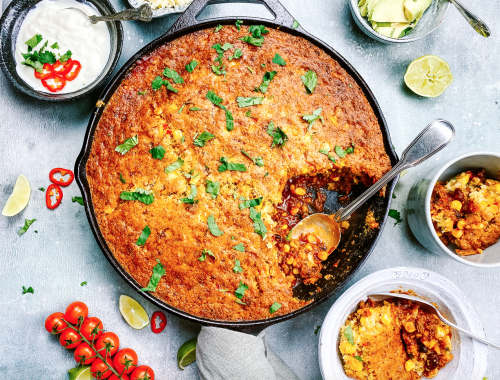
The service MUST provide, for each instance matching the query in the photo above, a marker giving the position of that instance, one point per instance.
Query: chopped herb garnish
(204, 254)
(279, 137)
(229, 119)
(252, 40)
(77, 199)
(41, 189)
(262, 65)
(191, 199)
(158, 152)
(257, 160)
(141, 92)
(212, 226)
(27, 224)
(249, 69)
(174, 166)
(218, 28)
(202, 139)
(238, 53)
(310, 80)
(265, 175)
(121, 178)
(289, 236)
(141, 195)
(240, 247)
(219, 70)
(279, 60)
(191, 66)
(237, 268)
(144, 236)
(393, 196)
(240, 302)
(212, 96)
(349, 336)
(158, 82)
(274, 307)
(257, 30)
(213, 188)
(33, 41)
(316, 330)
(65, 56)
(172, 74)
(55, 45)
(29, 290)
(295, 24)
(158, 272)
(249, 114)
(226, 165)
(127, 145)
(250, 203)
(251, 101)
(83, 283)
(195, 109)
(180, 109)
(240, 292)
(341, 152)
(266, 80)
(258, 225)
(357, 357)
(326, 152)
(312, 118)
(238, 24)
(395, 214)
(190, 174)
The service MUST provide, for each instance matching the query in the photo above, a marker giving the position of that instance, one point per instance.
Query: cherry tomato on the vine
(125, 360)
(84, 352)
(123, 377)
(70, 338)
(76, 311)
(143, 372)
(108, 342)
(54, 323)
(101, 370)
(91, 329)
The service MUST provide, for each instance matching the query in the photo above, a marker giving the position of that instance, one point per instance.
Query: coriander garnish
(237, 268)
(279, 137)
(295, 24)
(204, 254)
(341, 152)
(395, 214)
(266, 80)
(121, 178)
(250, 203)
(158, 272)
(172, 74)
(127, 145)
(191, 199)
(258, 225)
(238, 24)
(226, 165)
(240, 291)
(212, 226)
(312, 118)
(218, 28)
(238, 53)
(158, 152)
(326, 152)
(249, 69)
(202, 139)
(28, 290)
(257, 160)
(274, 307)
(213, 188)
(174, 166)
(310, 81)
(240, 247)
(191, 66)
(143, 237)
(141, 195)
(250, 101)
(349, 336)
(279, 60)
(77, 200)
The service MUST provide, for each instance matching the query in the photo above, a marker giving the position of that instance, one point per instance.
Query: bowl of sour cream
(54, 53)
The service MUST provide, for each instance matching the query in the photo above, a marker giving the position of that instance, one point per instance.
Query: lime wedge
(80, 373)
(187, 353)
(19, 198)
(428, 76)
(133, 313)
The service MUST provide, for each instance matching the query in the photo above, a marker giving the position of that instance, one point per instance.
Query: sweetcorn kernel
(457, 205)
(347, 348)
(178, 135)
(296, 271)
(409, 365)
(461, 224)
(457, 233)
(493, 209)
(363, 320)
(295, 244)
(286, 248)
(386, 319)
(410, 327)
(344, 224)
(300, 191)
(323, 255)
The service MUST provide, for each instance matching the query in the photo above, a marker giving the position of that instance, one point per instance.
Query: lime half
(133, 313)
(19, 198)
(80, 373)
(428, 76)
(187, 353)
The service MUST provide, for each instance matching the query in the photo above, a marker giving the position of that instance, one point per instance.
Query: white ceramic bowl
(419, 205)
(470, 357)
(432, 18)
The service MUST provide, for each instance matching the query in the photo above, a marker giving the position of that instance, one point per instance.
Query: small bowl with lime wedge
(398, 21)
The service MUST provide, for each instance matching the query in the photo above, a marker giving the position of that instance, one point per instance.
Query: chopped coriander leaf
(257, 160)
(143, 237)
(190, 174)
(240, 291)
(47, 57)
(227, 46)
(295, 24)
(395, 214)
(55, 45)
(248, 114)
(279, 60)
(212, 226)
(158, 152)
(240, 247)
(251, 101)
(219, 70)
(289, 236)
(27, 224)
(316, 330)
(65, 56)
(83, 283)
(262, 65)
(141, 92)
(238, 24)
(158, 272)
(127, 145)
(252, 40)
(174, 166)
(240, 302)
(326, 152)
(220, 49)
(122, 179)
(191, 198)
(38, 66)
(141, 195)
(212, 96)
(204, 254)
(265, 175)
(229, 119)
(195, 109)
(357, 357)
(213, 188)
(266, 80)
(349, 336)
(191, 66)
(257, 30)
(226, 165)
(258, 225)
(279, 137)
(341, 152)
(218, 28)
(33, 41)
(393, 196)
(183, 139)
(249, 69)
(232, 238)
(238, 53)
(170, 87)
(157, 83)
(274, 307)
(237, 268)
(202, 139)
(172, 74)
(41, 189)
(77, 199)
(250, 203)
(310, 81)
(29, 290)
(312, 118)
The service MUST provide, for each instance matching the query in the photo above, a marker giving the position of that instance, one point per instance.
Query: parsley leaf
(127, 145)
(33, 41)
(238, 53)
(204, 253)
(279, 137)
(141, 195)
(257, 160)
(212, 96)
(144, 236)
(237, 268)
(247, 102)
(27, 224)
(258, 225)
(55, 45)
(190, 199)
(65, 56)
(326, 152)
(312, 118)
(77, 199)
(212, 226)
(172, 74)
(279, 60)
(274, 307)
(238, 24)
(158, 152)
(29, 290)
(202, 139)
(122, 179)
(226, 165)
(213, 188)
(218, 28)
(295, 24)
(349, 336)
(191, 66)
(395, 214)
(174, 165)
(240, 292)
(266, 80)
(250, 203)
(157, 83)
(252, 40)
(341, 152)
(240, 247)
(310, 80)
(158, 272)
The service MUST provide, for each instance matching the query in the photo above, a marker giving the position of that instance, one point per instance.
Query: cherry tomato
(123, 377)
(101, 370)
(46, 73)
(76, 311)
(143, 372)
(108, 342)
(158, 322)
(125, 360)
(91, 329)
(54, 323)
(84, 352)
(70, 338)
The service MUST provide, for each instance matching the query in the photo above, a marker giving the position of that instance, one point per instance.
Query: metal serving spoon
(327, 227)
(143, 13)
(474, 21)
(431, 309)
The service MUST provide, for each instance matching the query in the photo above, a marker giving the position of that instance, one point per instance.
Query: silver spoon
(327, 227)
(143, 13)
(474, 21)
(431, 309)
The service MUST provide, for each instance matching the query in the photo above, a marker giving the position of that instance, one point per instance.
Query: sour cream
(90, 44)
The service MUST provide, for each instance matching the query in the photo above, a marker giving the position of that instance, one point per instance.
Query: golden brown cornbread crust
(179, 231)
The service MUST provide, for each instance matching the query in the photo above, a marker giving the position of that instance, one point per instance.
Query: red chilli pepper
(74, 70)
(53, 190)
(62, 68)
(57, 85)
(158, 322)
(61, 181)
(47, 72)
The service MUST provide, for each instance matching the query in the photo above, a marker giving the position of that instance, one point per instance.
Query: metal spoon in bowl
(143, 13)
(431, 309)
(474, 21)
(327, 227)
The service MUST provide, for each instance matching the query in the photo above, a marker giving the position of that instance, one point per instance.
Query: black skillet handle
(188, 18)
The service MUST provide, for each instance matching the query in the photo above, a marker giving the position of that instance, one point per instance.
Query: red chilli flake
(336, 264)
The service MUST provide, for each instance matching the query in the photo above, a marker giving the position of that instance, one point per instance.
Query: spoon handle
(474, 21)
(473, 336)
(143, 13)
(430, 141)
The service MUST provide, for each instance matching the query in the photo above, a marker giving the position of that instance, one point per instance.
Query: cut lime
(428, 76)
(80, 373)
(133, 313)
(187, 353)
(19, 198)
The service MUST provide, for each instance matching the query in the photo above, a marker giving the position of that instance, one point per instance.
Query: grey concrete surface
(36, 137)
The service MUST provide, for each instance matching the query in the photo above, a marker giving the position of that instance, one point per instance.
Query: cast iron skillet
(356, 244)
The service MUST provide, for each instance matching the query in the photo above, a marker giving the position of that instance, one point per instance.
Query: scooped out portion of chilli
(212, 148)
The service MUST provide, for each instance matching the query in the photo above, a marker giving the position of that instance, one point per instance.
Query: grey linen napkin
(230, 355)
